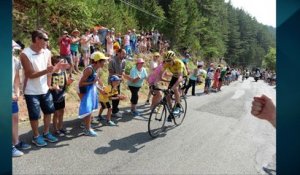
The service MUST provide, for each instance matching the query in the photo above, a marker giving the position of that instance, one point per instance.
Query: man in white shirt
(36, 61)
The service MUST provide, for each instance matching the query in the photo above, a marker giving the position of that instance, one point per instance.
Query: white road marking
(238, 94)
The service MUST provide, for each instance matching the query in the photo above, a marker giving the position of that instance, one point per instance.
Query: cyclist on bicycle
(177, 68)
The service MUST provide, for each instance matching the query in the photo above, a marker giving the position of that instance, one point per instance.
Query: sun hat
(75, 31)
(96, 56)
(65, 32)
(140, 60)
(156, 54)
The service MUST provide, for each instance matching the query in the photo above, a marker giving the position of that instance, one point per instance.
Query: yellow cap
(96, 56)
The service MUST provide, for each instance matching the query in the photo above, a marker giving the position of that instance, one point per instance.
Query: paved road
(218, 136)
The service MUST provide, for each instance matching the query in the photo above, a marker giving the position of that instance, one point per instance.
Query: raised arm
(30, 72)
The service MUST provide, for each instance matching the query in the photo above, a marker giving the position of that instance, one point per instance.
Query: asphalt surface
(218, 136)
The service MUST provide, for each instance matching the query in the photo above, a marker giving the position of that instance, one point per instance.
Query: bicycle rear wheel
(157, 120)
(178, 119)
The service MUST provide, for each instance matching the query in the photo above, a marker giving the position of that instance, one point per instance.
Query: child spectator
(109, 93)
(57, 88)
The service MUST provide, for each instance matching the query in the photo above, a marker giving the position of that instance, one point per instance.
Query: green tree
(208, 28)
(148, 14)
(178, 18)
(194, 23)
(269, 60)
(212, 36)
(233, 43)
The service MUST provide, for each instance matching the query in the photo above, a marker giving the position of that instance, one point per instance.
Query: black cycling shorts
(172, 82)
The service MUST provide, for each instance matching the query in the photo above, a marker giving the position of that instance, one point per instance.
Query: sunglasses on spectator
(45, 39)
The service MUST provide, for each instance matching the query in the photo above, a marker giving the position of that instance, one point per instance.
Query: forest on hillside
(212, 30)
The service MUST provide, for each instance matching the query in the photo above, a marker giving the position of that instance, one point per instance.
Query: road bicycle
(159, 113)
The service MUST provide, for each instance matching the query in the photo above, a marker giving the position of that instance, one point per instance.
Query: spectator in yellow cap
(88, 90)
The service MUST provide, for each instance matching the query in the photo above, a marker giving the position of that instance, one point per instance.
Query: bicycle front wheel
(157, 120)
(178, 119)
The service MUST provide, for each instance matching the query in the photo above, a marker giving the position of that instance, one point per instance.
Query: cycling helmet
(169, 56)
(114, 78)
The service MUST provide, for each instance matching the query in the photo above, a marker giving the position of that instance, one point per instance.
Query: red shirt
(64, 46)
(217, 76)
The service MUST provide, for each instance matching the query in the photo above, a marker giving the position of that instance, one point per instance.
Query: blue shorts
(128, 49)
(15, 107)
(207, 82)
(73, 53)
(37, 102)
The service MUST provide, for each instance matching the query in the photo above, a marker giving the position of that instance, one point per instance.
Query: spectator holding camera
(65, 49)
